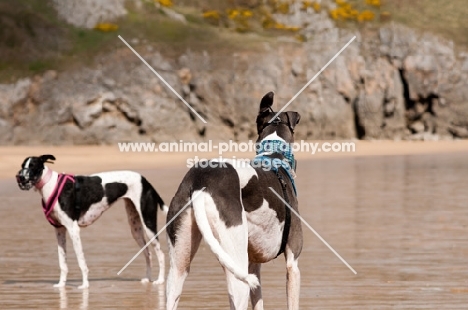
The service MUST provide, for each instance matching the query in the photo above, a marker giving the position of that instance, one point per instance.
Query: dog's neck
(48, 180)
(273, 143)
(273, 136)
(45, 178)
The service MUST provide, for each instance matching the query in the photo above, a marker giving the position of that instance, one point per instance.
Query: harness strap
(77, 195)
(267, 147)
(49, 206)
(287, 218)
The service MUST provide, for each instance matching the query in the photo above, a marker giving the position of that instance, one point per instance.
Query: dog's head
(283, 125)
(31, 171)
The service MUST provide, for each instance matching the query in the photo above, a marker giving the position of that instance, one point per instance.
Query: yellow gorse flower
(268, 21)
(213, 14)
(282, 7)
(366, 16)
(247, 13)
(317, 7)
(281, 26)
(311, 4)
(232, 13)
(235, 13)
(343, 13)
(106, 27)
(373, 2)
(346, 11)
(166, 3)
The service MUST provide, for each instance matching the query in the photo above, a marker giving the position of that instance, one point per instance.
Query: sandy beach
(399, 221)
(89, 159)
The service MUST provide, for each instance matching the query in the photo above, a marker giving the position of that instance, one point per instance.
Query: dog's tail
(155, 198)
(203, 224)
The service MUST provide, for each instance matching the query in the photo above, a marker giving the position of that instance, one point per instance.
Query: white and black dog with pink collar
(71, 202)
(233, 208)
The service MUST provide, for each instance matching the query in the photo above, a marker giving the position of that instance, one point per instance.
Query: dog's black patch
(149, 202)
(91, 192)
(258, 189)
(180, 199)
(114, 191)
(251, 197)
(223, 186)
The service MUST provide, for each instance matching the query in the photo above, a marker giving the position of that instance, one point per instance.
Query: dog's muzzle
(26, 179)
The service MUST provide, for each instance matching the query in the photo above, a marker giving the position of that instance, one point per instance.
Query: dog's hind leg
(234, 241)
(159, 255)
(293, 276)
(61, 233)
(138, 234)
(256, 294)
(182, 249)
(147, 206)
(227, 241)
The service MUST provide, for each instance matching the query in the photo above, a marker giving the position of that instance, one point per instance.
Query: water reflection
(63, 298)
(63, 293)
(161, 295)
(400, 221)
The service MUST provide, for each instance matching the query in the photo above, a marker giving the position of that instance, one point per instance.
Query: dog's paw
(158, 281)
(60, 284)
(145, 280)
(83, 286)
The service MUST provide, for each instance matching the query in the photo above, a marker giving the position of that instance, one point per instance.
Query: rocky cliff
(391, 83)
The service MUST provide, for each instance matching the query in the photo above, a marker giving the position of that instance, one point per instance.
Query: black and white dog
(244, 223)
(70, 202)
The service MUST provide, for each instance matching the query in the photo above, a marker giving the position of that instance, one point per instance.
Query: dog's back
(233, 207)
(88, 197)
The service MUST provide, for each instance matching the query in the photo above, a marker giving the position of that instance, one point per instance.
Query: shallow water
(400, 222)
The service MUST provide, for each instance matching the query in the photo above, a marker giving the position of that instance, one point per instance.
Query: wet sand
(91, 159)
(399, 220)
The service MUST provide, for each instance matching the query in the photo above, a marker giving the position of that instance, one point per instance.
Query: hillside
(33, 38)
(81, 85)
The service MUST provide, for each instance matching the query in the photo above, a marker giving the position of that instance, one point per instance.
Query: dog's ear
(47, 158)
(266, 103)
(293, 119)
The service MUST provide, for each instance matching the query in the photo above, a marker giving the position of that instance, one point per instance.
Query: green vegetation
(33, 39)
(447, 18)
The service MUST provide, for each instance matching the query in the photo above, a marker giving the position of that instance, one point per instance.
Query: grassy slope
(45, 42)
(33, 39)
(444, 17)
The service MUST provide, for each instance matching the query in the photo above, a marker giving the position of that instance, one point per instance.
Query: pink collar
(39, 185)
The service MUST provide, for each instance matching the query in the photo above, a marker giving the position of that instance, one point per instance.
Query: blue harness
(263, 159)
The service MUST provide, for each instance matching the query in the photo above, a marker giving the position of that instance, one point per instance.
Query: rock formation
(391, 83)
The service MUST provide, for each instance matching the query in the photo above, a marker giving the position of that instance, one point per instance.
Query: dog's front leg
(76, 239)
(293, 276)
(61, 233)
